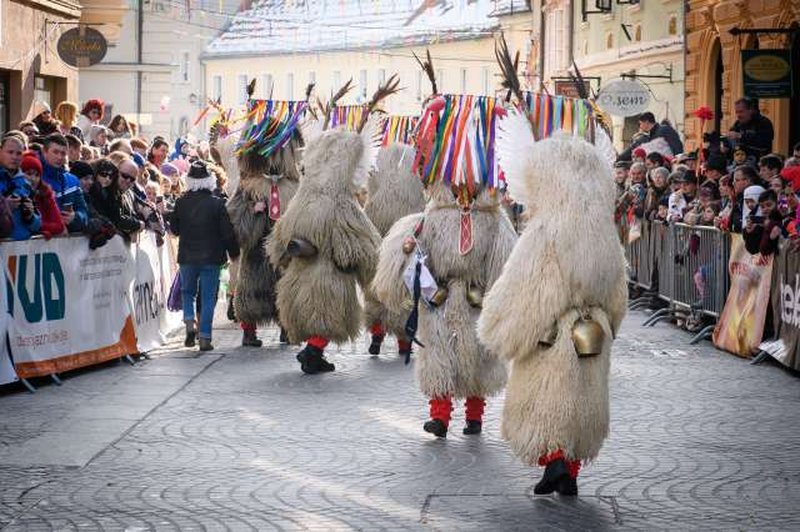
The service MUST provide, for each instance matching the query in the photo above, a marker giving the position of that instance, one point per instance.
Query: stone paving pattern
(239, 439)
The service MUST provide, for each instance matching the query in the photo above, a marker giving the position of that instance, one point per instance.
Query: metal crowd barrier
(686, 266)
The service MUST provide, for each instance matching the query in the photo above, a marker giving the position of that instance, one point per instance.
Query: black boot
(375, 346)
(312, 361)
(249, 339)
(205, 344)
(231, 311)
(284, 339)
(473, 427)
(568, 486)
(555, 474)
(191, 334)
(436, 427)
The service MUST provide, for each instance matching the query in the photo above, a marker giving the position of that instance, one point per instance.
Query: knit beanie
(31, 162)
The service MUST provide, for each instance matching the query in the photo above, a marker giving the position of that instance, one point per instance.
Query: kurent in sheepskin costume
(269, 177)
(325, 240)
(394, 192)
(558, 303)
(464, 238)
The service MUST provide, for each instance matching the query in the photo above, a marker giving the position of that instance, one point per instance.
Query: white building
(152, 73)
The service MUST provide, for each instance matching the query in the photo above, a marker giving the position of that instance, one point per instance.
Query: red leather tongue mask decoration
(274, 202)
(465, 239)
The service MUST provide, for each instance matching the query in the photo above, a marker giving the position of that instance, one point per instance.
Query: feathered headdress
(427, 67)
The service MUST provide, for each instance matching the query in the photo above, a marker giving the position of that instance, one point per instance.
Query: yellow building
(286, 46)
(641, 40)
(714, 66)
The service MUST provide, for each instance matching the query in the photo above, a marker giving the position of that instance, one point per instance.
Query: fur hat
(138, 159)
(29, 162)
(169, 169)
(199, 177)
(39, 108)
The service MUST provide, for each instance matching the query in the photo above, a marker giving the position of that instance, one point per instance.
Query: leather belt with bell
(588, 337)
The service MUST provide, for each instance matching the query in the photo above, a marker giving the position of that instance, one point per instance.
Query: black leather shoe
(375, 346)
(473, 427)
(554, 474)
(436, 427)
(284, 339)
(191, 336)
(205, 344)
(231, 312)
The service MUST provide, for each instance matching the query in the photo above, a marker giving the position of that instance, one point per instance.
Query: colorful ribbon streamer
(270, 125)
(399, 129)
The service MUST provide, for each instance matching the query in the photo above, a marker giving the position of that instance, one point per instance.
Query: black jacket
(118, 209)
(664, 131)
(206, 234)
(757, 136)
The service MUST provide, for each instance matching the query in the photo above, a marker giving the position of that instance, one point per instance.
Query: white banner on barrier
(150, 290)
(69, 305)
(7, 373)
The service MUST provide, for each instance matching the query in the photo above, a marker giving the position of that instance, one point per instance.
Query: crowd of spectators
(64, 172)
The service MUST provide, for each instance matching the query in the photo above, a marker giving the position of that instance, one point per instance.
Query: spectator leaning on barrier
(659, 188)
(743, 178)
(752, 130)
(206, 241)
(27, 222)
(43, 198)
(11, 150)
(66, 186)
(112, 198)
(681, 201)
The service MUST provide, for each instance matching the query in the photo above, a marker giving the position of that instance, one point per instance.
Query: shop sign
(569, 89)
(767, 73)
(624, 97)
(82, 47)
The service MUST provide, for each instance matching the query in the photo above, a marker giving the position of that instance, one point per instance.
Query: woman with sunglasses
(112, 197)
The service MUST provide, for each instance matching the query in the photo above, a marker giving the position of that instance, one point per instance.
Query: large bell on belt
(439, 297)
(588, 337)
(474, 297)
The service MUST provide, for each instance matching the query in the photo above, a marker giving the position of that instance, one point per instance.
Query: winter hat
(792, 175)
(753, 192)
(138, 159)
(198, 170)
(640, 153)
(716, 163)
(169, 169)
(31, 162)
(81, 169)
(39, 108)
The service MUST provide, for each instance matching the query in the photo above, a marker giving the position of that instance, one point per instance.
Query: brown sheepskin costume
(254, 297)
(317, 296)
(568, 266)
(394, 192)
(452, 363)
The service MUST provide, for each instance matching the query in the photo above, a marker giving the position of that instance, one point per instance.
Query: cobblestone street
(239, 439)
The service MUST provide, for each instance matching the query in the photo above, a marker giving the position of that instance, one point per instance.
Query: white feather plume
(603, 143)
(371, 137)
(311, 129)
(513, 144)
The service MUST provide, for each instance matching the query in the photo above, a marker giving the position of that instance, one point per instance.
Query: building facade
(153, 75)
(714, 65)
(642, 40)
(285, 46)
(30, 68)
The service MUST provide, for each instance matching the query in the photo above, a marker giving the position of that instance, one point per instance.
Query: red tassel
(274, 202)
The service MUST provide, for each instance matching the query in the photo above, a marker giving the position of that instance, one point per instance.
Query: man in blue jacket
(66, 186)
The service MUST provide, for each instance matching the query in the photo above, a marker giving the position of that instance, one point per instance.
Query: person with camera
(752, 130)
(66, 186)
(43, 198)
(18, 221)
(764, 227)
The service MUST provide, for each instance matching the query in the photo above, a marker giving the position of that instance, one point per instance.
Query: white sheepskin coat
(453, 362)
(394, 192)
(318, 296)
(568, 260)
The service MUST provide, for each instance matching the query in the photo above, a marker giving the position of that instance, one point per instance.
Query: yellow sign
(766, 68)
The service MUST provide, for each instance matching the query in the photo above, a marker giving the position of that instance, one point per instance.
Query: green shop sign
(767, 73)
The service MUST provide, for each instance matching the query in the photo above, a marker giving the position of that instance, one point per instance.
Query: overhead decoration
(271, 125)
(399, 129)
(455, 144)
(548, 114)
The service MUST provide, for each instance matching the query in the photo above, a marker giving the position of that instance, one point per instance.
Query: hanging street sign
(767, 73)
(82, 46)
(624, 97)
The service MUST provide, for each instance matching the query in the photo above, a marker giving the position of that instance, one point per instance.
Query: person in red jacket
(44, 198)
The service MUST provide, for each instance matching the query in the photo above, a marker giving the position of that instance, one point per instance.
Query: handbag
(175, 299)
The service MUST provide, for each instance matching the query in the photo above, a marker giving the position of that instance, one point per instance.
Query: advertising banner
(786, 310)
(7, 373)
(68, 305)
(741, 324)
(150, 290)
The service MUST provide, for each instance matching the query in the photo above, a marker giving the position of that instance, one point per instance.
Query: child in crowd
(44, 199)
(27, 221)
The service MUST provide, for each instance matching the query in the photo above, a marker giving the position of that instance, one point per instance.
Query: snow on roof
(278, 27)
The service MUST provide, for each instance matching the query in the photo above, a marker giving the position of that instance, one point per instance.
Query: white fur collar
(207, 183)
